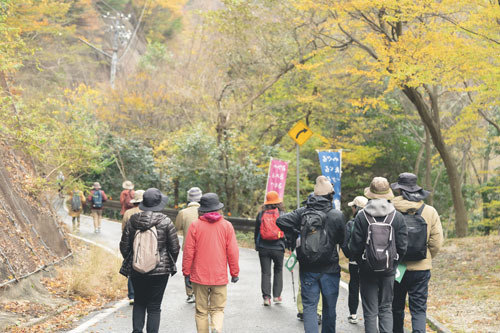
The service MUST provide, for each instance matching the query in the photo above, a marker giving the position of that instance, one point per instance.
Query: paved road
(244, 312)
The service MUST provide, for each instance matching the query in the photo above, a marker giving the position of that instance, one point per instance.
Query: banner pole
(298, 192)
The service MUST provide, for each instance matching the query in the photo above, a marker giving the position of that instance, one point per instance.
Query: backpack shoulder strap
(370, 219)
(390, 217)
(420, 210)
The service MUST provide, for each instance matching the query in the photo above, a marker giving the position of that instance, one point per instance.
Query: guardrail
(239, 223)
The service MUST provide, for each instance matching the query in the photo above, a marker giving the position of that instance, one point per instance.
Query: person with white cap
(96, 199)
(182, 222)
(126, 196)
(315, 230)
(356, 205)
(378, 241)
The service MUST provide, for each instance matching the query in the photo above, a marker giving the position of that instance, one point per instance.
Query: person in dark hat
(210, 246)
(149, 287)
(415, 280)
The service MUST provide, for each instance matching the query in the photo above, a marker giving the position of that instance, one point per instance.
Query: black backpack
(380, 248)
(417, 235)
(315, 246)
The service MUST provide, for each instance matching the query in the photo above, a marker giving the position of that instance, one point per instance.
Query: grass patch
(245, 239)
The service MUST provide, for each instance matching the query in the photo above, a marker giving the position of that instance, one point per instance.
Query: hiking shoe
(300, 316)
(353, 319)
(267, 301)
(131, 301)
(190, 299)
(96, 231)
(319, 319)
(278, 300)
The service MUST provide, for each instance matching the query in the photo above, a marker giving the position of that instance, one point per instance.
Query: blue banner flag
(331, 168)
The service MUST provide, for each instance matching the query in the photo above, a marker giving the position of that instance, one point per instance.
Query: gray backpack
(145, 249)
(380, 248)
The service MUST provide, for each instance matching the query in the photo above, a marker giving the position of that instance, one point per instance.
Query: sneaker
(190, 299)
(319, 319)
(278, 300)
(131, 301)
(353, 319)
(267, 301)
(300, 316)
(96, 230)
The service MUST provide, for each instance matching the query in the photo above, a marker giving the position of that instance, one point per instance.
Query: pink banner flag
(276, 179)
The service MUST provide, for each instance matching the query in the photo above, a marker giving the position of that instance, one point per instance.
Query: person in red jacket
(210, 247)
(126, 195)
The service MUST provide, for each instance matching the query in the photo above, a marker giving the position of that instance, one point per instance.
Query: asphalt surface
(244, 311)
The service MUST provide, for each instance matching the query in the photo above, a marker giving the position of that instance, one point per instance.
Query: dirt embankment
(30, 235)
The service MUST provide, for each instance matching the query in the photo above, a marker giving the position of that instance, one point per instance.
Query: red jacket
(210, 247)
(125, 198)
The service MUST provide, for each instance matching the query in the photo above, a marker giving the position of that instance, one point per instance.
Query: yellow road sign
(300, 133)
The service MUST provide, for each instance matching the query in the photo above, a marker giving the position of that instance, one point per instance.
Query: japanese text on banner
(276, 179)
(331, 163)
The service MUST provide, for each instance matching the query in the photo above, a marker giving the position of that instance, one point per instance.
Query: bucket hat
(406, 181)
(359, 201)
(97, 186)
(194, 194)
(323, 186)
(209, 202)
(153, 200)
(127, 185)
(272, 197)
(138, 196)
(379, 189)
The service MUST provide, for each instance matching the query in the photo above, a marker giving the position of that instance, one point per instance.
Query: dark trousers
(353, 288)
(148, 290)
(130, 289)
(377, 295)
(416, 285)
(266, 256)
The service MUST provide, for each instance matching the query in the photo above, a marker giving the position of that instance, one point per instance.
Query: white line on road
(100, 317)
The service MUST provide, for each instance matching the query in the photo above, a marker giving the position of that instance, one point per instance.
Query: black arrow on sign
(299, 132)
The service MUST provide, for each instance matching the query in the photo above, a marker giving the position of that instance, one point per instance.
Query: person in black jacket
(270, 250)
(149, 287)
(377, 287)
(356, 205)
(317, 277)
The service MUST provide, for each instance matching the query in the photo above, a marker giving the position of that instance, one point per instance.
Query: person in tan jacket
(182, 222)
(136, 200)
(415, 280)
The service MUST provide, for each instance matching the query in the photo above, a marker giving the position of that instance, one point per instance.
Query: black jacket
(378, 208)
(291, 223)
(168, 242)
(260, 243)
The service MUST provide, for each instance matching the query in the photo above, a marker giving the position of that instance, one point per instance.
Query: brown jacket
(128, 214)
(434, 232)
(184, 219)
(68, 205)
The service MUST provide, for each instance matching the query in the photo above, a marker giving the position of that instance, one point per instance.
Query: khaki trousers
(210, 300)
(96, 216)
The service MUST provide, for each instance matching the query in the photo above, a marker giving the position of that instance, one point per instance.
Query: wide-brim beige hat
(379, 189)
(138, 196)
(127, 185)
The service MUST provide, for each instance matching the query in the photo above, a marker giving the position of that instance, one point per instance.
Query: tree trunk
(428, 156)
(176, 191)
(432, 123)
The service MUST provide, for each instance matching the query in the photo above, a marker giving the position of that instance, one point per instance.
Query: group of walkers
(150, 248)
(388, 234)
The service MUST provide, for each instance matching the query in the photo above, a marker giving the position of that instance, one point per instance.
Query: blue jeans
(130, 289)
(312, 284)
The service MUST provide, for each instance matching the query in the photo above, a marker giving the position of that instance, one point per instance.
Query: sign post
(299, 133)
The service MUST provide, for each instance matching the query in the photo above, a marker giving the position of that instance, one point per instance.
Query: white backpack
(146, 256)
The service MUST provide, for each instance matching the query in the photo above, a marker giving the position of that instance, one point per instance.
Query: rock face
(30, 235)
